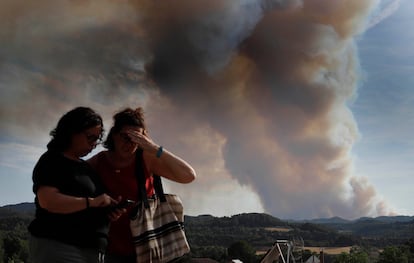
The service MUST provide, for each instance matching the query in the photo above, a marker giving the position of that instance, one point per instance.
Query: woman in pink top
(116, 167)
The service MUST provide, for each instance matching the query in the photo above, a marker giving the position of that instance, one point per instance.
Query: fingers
(139, 137)
(103, 200)
(136, 137)
(141, 140)
(115, 214)
(109, 200)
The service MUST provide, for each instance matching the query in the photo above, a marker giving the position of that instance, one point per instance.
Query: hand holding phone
(124, 204)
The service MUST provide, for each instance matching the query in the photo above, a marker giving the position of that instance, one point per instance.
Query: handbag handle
(139, 173)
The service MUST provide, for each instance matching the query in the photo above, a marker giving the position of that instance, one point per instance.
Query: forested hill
(245, 219)
(212, 237)
(262, 230)
(253, 219)
(22, 209)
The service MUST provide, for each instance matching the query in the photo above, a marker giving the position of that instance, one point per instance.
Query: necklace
(118, 163)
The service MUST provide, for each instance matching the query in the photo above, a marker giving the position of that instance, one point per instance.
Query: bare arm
(167, 165)
(52, 200)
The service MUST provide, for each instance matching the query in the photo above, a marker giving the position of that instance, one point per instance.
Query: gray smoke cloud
(253, 93)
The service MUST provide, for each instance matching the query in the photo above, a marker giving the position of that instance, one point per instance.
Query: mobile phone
(124, 204)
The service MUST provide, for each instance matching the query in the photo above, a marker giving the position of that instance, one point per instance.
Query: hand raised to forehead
(143, 141)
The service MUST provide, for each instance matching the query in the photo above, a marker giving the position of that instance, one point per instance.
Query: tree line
(241, 236)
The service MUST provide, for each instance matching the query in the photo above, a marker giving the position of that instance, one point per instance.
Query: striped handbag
(157, 223)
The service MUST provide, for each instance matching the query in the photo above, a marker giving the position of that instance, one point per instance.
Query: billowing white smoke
(253, 93)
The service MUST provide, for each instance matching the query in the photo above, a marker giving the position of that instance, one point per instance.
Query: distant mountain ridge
(339, 220)
(22, 209)
(29, 208)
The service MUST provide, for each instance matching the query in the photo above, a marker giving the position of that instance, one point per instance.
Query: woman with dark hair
(72, 220)
(116, 167)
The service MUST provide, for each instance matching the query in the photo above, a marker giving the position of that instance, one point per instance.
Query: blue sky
(266, 129)
(383, 108)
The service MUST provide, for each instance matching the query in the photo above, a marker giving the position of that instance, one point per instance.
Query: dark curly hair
(73, 122)
(126, 117)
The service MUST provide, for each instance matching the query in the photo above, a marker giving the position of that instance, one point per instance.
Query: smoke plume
(253, 93)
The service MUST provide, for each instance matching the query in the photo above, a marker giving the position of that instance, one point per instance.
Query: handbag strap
(139, 173)
(159, 190)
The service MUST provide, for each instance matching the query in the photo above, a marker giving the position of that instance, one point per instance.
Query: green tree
(342, 258)
(394, 254)
(15, 249)
(1, 247)
(214, 252)
(410, 245)
(355, 255)
(243, 251)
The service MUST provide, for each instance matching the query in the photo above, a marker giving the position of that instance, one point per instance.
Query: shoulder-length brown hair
(73, 122)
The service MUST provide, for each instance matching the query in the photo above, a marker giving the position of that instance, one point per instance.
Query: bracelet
(159, 152)
(87, 202)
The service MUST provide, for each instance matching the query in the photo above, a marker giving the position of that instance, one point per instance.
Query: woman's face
(85, 141)
(124, 146)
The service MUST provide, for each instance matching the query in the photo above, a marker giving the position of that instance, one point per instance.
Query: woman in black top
(72, 218)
